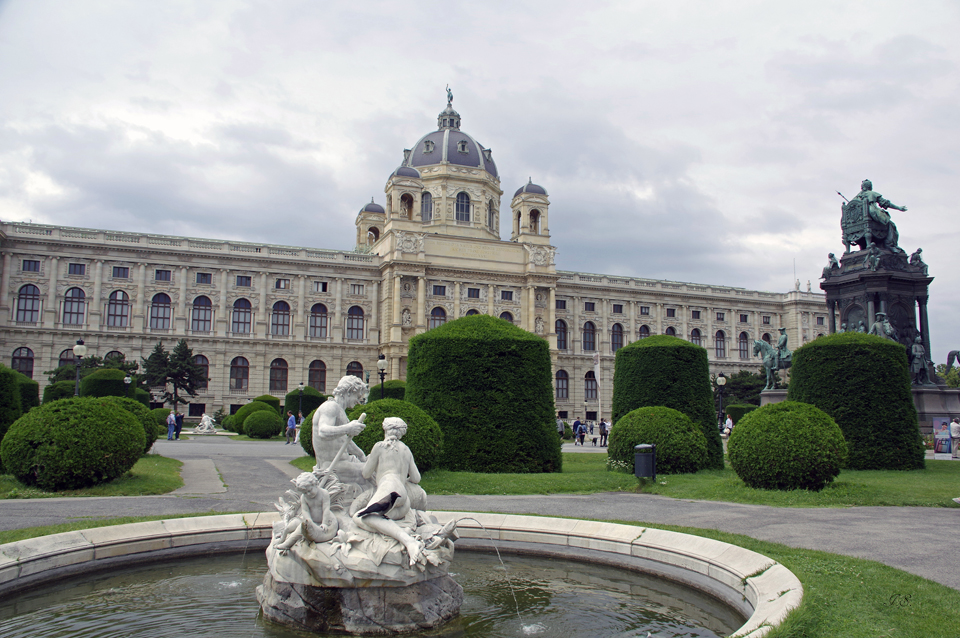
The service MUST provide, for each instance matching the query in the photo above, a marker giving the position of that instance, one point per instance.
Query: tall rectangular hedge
(488, 385)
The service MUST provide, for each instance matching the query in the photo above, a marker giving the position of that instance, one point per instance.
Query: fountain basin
(760, 588)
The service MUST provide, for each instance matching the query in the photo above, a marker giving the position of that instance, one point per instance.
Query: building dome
(372, 208)
(530, 187)
(449, 144)
(406, 171)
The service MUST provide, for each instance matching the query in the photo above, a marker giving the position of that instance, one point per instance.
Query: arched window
(463, 207)
(491, 215)
(355, 323)
(720, 344)
(744, 343)
(506, 316)
(373, 234)
(516, 224)
(766, 337)
(28, 304)
(563, 384)
(589, 337)
(561, 327)
(590, 386)
(114, 355)
(67, 358)
(202, 319)
(204, 364)
(406, 206)
(438, 317)
(644, 331)
(242, 316)
(160, 312)
(670, 332)
(355, 369)
(118, 309)
(318, 321)
(278, 375)
(22, 361)
(426, 207)
(695, 336)
(535, 222)
(280, 319)
(317, 376)
(616, 337)
(73, 303)
(473, 311)
(239, 374)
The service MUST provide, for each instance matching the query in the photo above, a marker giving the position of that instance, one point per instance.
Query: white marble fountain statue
(355, 551)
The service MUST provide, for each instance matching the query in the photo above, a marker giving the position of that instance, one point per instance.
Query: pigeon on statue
(381, 507)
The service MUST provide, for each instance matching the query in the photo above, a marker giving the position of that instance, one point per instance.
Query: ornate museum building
(263, 318)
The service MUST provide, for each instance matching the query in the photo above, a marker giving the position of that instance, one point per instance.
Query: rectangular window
(720, 316)
(744, 318)
(204, 278)
(196, 409)
(282, 284)
(694, 314)
(121, 272)
(671, 312)
(588, 306)
(617, 309)
(473, 293)
(439, 291)
(561, 304)
(234, 407)
(766, 320)
(506, 295)
(319, 286)
(562, 414)
(591, 416)
(31, 265)
(820, 321)
(161, 275)
(243, 281)
(644, 310)
(77, 269)
(356, 289)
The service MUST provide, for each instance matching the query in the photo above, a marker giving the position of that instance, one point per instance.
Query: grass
(152, 474)
(13, 535)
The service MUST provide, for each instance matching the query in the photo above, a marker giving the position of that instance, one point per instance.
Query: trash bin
(645, 461)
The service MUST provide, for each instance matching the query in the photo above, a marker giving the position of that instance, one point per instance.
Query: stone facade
(312, 315)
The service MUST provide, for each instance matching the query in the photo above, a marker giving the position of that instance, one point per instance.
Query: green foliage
(488, 385)
(144, 417)
(29, 392)
(670, 372)
(73, 443)
(88, 365)
(392, 389)
(272, 401)
(423, 437)
(262, 424)
(681, 447)
(787, 446)
(59, 390)
(312, 398)
(736, 412)
(175, 369)
(142, 396)
(105, 382)
(951, 377)
(241, 416)
(863, 382)
(219, 416)
(229, 423)
(744, 387)
(10, 409)
(160, 417)
(567, 431)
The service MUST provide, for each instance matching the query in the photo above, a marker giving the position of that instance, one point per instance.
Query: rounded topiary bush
(254, 406)
(311, 399)
(72, 443)
(392, 389)
(681, 447)
(863, 382)
(738, 410)
(306, 434)
(423, 437)
(160, 417)
(787, 446)
(59, 390)
(262, 424)
(670, 372)
(270, 400)
(106, 382)
(489, 386)
(144, 417)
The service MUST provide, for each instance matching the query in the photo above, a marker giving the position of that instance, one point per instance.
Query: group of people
(582, 428)
(174, 425)
(293, 427)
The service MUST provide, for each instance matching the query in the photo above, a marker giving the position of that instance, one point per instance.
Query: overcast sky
(694, 141)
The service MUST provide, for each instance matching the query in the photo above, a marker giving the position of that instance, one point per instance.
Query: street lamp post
(78, 351)
(128, 380)
(300, 404)
(382, 370)
(721, 381)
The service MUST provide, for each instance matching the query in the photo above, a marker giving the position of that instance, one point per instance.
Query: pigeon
(381, 507)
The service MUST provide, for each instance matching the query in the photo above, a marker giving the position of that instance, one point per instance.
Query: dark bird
(381, 507)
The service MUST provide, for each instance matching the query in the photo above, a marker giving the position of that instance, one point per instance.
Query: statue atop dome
(449, 96)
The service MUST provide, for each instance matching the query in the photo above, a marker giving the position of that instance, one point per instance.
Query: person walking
(179, 422)
(291, 427)
(576, 430)
(296, 439)
(955, 438)
(171, 425)
(560, 427)
(583, 432)
(604, 431)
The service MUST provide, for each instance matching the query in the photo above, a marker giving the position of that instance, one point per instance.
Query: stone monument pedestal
(935, 401)
(768, 397)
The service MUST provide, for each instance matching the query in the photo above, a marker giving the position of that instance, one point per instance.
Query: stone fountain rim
(760, 588)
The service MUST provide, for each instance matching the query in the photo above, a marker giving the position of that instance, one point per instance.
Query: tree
(951, 378)
(175, 369)
(742, 387)
(89, 365)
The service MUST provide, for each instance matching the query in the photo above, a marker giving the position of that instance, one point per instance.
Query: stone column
(684, 329)
(633, 324)
(5, 291)
(179, 321)
(530, 310)
(660, 312)
(139, 322)
(551, 328)
(50, 311)
(221, 317)
(833, 316)
(263, 314)
(95, 306)
(300, 323)
(336, 323)
(575, 336)
(456, 300)
(421, 303)
(396, 331)
(924, 326)
(871, 312)
(491, 291)
(603, 333)
(374, 315)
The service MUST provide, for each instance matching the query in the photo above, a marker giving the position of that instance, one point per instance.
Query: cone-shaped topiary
(863, 382)
(262, 424)
(106, 382)
(144, 416)
(669, 372)
(681, 447)
(311, 399)
(10, 409)
(488, 385)
(29, 392)
(72, 443)
(787, 446)
(423, 437)
(270, 400)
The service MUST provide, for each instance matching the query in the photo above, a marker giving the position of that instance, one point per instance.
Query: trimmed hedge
(144, 416)
(262, 424)
(72, 443)
(681, 446)
(737, 411)
(787, 446)
(241, 416)
(423, 437)
(670, 372)
(106, 382)
(863, 382)
(59, 390)
(392, 389)
(10, 409)
(488, 384)
(142, 396)
(312, 398)
(270, 400)
(29, 392)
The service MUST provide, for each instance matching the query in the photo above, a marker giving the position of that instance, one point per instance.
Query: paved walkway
(221, 475)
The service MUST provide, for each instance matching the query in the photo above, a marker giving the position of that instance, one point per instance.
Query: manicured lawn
(13, 535)
(152, 474)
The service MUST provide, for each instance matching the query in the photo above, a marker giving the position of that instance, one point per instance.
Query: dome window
(462, 147)
(428, 146)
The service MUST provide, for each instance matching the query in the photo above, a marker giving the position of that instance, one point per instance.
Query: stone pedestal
(361, 610)
(768, 397)
(935, 401)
